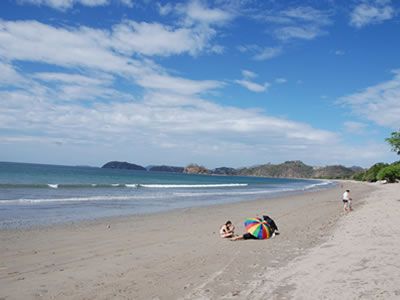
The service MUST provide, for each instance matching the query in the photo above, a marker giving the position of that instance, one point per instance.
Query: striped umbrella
(258, 228)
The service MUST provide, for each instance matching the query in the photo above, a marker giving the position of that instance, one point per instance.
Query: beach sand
(179, 254)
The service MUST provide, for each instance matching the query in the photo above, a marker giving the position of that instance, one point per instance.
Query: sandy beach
(321, 252)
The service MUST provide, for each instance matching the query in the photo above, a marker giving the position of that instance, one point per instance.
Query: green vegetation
(394, 141)
(389, 173)
(371, 174)
(382, 171)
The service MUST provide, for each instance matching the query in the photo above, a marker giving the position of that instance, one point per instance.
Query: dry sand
(360, 260)
(179, 255)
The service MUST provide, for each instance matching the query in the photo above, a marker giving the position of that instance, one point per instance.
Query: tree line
(384, 171)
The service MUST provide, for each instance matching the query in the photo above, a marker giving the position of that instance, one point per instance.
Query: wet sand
(173, 255)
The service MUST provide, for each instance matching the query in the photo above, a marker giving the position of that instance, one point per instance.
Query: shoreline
(169, 255)
(43, 224)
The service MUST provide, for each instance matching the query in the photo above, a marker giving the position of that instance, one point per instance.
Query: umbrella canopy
(258, 228)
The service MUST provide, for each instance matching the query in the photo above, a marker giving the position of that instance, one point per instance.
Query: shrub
(389, 173)
(370, 174)
(359, 176)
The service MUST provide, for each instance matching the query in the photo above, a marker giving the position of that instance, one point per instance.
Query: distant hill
(288, 169)
(196, 169)
(334, 172)
(166, 169)
(122, 165)
(224, 171)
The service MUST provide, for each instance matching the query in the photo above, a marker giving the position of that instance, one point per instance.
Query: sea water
(41, 195)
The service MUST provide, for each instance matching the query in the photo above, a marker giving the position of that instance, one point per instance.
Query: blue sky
(218, 83)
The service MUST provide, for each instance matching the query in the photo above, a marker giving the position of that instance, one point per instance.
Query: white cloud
(355, 127)
(156, 39)
(82, 47)
(67, 4)
(281, 80)
(8, 75)
(90, 49)
(161, 124)
(307, 14)
(196, 11)
(379, 103)
(165, 9)
(163, 118)
(70, 78)
(268, 53)
(252, 86)
(261, 53)
(248, 74)
(302, 22)
(128, 3)
(371, 13)
(176, 84)
(298, 32)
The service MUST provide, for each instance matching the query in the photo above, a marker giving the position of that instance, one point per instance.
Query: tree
(394, 141)
(370, 174)
(390, 173)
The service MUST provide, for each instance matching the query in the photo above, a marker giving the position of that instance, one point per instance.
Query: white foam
(76, 199)
(53, 186)
(317, 184)
(168, 186)
(194, 194)
(133, 185)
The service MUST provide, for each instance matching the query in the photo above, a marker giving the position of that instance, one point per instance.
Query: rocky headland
(288, 169)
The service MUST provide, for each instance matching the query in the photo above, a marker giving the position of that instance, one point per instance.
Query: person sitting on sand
(247, 236)
(227, 230)
(347, 201)
(272, 225)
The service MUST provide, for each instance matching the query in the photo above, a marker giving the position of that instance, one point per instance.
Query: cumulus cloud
(371, 13)
(9, 76)
(156, 39)
(159, 123)
(166, 113)
(41, 114)
(94, 49)
(171, 110)
(196, 11)
(379, 103)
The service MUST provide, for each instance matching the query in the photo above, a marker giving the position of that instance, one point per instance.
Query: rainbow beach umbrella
(258, 228)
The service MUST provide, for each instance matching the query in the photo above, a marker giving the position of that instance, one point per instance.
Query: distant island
(166, 169)
(288, 169)
(123, 165)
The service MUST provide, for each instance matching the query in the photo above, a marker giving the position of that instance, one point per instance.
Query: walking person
(347, 201)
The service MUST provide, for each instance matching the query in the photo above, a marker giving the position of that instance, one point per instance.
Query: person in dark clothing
(271, 224)
(247, 236)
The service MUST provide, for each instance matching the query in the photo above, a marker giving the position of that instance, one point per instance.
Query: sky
(218, 83)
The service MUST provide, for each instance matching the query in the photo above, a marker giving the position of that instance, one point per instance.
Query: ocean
(41, 195)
